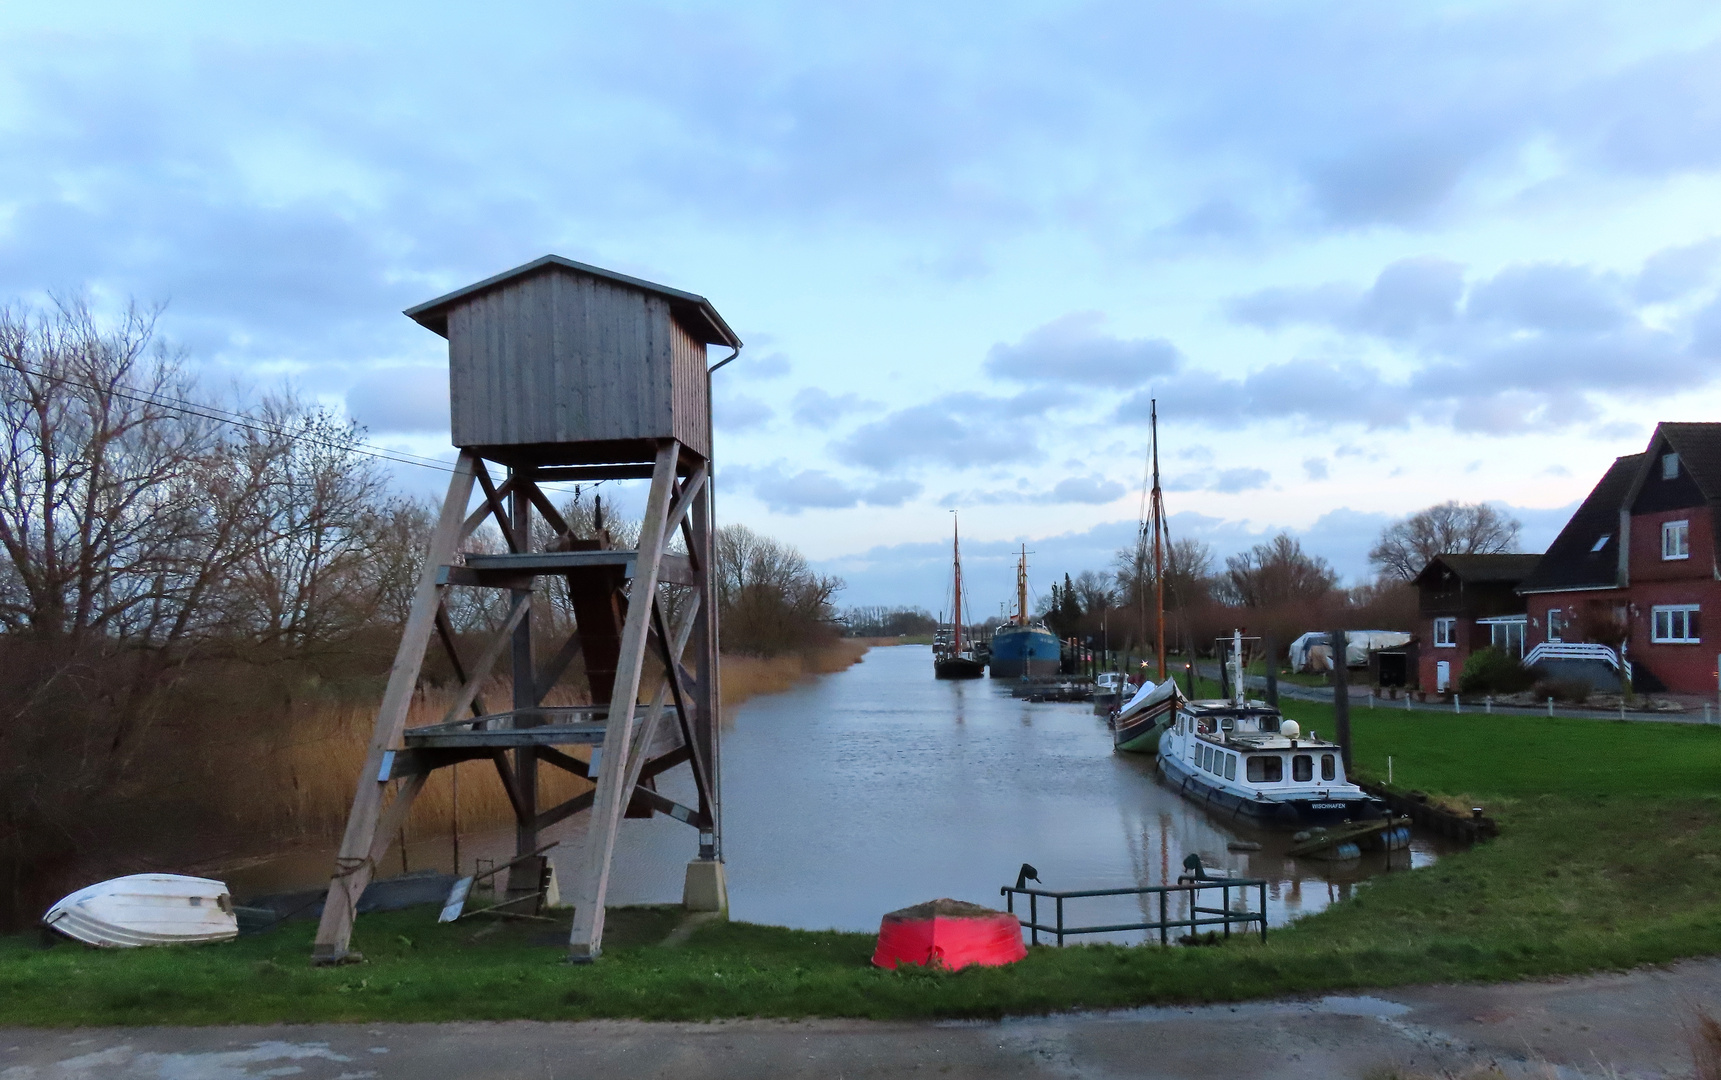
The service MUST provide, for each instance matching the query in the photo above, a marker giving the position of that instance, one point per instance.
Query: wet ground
(1611, 1026)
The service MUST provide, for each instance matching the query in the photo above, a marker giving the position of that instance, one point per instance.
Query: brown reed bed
(319, 753)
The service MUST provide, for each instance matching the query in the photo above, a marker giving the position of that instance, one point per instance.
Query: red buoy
(949, 934)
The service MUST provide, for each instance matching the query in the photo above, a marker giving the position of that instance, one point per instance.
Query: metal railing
(1198, 916)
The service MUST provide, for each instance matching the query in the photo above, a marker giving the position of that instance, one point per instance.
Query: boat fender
(1347, 850)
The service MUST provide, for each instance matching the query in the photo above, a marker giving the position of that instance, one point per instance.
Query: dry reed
(324, 746)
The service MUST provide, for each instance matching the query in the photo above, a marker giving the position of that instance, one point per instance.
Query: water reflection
(879, 787)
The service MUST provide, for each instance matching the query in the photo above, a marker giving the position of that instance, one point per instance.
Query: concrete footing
(705, 888)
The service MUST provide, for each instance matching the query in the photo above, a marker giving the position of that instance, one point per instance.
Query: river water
(874, 788)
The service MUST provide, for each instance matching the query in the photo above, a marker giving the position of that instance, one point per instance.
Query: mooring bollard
(1488, 704)
(1622, 706)
(1550, 707)
(1407, 701)
(1455, 706)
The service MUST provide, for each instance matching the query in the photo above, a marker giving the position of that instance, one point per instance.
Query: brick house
(1639, 560)
(1465, 603)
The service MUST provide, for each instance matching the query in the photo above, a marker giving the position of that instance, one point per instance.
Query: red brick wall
(1429, 655)
(1686, 669)
(1646, 561)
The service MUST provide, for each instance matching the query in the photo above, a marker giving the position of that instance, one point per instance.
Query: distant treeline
(880, 621)
(1274, 589)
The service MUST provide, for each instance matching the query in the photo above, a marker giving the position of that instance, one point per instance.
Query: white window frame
(1522, 622)
(1450, 625)
(1556, 624)
(1678, 617)
(1676, 540)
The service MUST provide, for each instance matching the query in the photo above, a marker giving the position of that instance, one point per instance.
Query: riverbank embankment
(1605, 861)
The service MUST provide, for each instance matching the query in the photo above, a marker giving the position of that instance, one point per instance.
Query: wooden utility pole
(1341, 695)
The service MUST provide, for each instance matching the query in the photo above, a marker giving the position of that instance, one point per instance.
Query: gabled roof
(1699, 450)
(1503, 568)
(693, 311)
(1575, 560)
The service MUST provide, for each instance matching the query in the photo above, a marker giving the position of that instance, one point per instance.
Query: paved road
(1615, 1026)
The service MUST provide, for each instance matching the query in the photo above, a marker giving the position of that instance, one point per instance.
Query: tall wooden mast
(956, 555)
(1158, 554)
(1022, 588)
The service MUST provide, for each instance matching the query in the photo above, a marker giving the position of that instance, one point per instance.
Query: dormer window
(1669, 466)
(1601, 542)
(1676, 540)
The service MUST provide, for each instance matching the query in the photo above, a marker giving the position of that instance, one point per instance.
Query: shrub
(1492, 671)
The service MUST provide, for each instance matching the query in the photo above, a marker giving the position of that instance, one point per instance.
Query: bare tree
(771, 600)
(1275, 573)
(1451, 528)
(97, 471)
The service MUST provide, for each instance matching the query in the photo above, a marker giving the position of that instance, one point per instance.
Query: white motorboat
(1244, 757)
(147, 909)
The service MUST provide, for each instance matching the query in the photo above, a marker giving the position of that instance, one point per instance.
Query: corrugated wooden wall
(562, 357)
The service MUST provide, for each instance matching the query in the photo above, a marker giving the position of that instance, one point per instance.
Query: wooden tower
(560, 371)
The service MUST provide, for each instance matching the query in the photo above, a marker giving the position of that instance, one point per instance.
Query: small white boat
(147, 909)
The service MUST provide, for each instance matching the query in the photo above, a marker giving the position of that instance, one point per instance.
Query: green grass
(1610, 857)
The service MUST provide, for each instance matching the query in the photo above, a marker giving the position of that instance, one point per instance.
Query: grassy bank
(1609, 858)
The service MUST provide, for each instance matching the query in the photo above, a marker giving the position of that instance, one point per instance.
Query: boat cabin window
(1266, 769)
(1329, 767)
(1302, 768)
(1230, 766)
(1226, 723)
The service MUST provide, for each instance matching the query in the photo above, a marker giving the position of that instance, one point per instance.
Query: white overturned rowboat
(147, 909)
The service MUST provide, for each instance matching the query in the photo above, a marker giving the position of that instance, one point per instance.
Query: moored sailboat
(955, 658)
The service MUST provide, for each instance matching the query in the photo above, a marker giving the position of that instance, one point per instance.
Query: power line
(249, 423)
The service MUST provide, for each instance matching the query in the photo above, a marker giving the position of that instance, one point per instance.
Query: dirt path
(1619, 1025)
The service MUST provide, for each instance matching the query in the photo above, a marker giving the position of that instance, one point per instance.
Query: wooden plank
(563, 474)
(588, 734)
(707, 672)
(565, 762)
(586, 940)
(476, 518)
(353, 863)
(672, 668)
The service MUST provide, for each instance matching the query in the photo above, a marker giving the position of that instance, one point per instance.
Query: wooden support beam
(482, 510)
(672, 677)
(546, 507)
(586, 940)
(565, 762)
(509, 786)
(445, 631)
(487, 659)
(392, 819)
(493, 500)
(563, 474)
(353, 863)
(551, 673)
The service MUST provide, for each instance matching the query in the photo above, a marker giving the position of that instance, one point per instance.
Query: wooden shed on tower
(560, 371)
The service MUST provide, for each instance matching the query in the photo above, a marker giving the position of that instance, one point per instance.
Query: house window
(1507, 634)
(1446, 633)
(1556, 624)
(1600, 543)
(1669, 466)
(1676, 540)
(1674, 624)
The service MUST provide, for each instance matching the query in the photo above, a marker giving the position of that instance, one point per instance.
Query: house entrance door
(1442, 675)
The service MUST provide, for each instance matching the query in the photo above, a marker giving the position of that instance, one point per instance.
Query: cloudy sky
(1368, 257)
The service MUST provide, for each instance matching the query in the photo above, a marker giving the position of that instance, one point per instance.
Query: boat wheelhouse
(1246, 759)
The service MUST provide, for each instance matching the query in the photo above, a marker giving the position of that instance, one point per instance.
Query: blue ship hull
(1024, 650)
